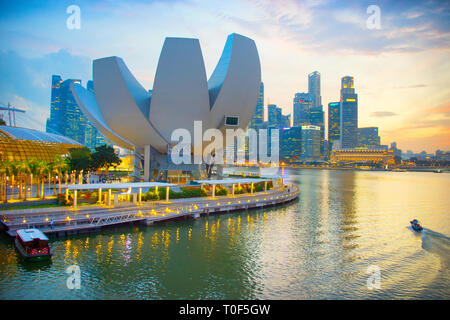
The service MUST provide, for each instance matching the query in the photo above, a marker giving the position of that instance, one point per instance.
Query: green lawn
(48, 205)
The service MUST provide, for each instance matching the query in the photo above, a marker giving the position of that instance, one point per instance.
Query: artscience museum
(143, 121)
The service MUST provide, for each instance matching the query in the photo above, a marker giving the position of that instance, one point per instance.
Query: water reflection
(318, 246)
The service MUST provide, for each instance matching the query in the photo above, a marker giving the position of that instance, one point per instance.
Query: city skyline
(401, 70)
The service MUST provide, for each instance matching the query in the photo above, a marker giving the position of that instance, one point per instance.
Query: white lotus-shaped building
(132, 117)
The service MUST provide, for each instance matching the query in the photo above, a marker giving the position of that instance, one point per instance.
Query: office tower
(303, 102)
(286, 121)
(349, 114)
(310, 136)
(257, 120)
(291, 144)
(54, 119)
(316, 118)
(316, 112)
(368, 137)
(67, 119)
(314, 89)
(334, 125)
(274, 116)
(274, 123)
(258, 117)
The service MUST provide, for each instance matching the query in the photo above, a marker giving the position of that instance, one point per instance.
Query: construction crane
(12, 109)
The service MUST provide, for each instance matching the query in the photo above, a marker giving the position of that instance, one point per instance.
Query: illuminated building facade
(363, 156)
(20, 144)
(316, 118)
(53, 121)
(303, 102)
(334, 125)
(316, 114)
(67, 119)
(274, 116)
(286, 121)
(310, 136)
(348, 114)
(368, 138)
(258, 117)
(314, 89)
(291, 144)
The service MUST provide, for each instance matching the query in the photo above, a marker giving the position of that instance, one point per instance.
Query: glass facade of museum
(19, 144)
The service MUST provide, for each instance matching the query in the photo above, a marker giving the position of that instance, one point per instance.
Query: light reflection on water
(319, 246)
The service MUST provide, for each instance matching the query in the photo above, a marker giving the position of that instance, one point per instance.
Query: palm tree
(24, 171)
(60, 166)
(54, 172)
(42, 170)
(12, 172)
(3, 172)
(33, 165)
(49, 173)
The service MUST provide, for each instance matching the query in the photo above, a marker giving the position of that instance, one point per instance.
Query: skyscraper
(54, 120)
(275, 122)
(308, 109)
(316, 113)
(303, 102)
(334, 125)
(368, 137)
(310, 142)
(316, 118)
(291, 144)
(67, 119)
(348, 114)
(274, 116)
(258, 117)
(314, 88)
(286, 121)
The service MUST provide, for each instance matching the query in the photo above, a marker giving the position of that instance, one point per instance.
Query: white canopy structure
(234, 182)
(109, 186)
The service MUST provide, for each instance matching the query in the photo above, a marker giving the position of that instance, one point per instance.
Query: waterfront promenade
(62, 221)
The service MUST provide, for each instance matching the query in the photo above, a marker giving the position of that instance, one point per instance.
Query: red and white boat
(32, 244)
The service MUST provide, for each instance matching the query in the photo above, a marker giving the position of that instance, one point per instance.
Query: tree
(33, 164)
(60, 166)
(42, 170)
(24, 172)
(2, 122)
(12, 172)
(80, 159)
(3, 173)
(105, 157)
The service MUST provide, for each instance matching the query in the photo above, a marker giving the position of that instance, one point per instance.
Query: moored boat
(32, 245)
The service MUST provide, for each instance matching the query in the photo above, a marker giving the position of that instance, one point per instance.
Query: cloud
(383, 114)
(413, 15)
(429, 128)
(444, 109)
(414, 86)
(327, 25)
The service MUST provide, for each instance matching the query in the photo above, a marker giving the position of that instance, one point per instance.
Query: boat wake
(438, 244)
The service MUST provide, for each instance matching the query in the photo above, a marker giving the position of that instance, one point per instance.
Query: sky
(401, 69)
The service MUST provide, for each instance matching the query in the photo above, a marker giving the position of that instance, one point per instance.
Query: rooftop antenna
(10, 108)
